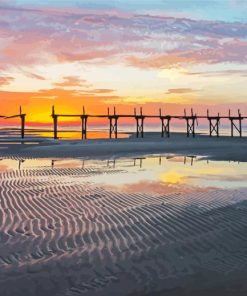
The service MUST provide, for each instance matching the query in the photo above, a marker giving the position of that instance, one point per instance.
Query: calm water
(137, 173)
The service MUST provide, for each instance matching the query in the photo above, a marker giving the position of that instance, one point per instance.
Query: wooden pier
(191, 120)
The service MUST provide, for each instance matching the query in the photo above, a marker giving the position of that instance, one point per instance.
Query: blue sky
(226, 10)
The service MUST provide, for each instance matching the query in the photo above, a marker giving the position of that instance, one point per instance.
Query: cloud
(43, 97)
(35, 76)
(5, 80)
(53, 35)
(242, 73)
(76, 81)
(70, 81)
(232, 51)
(180, 91)
(100, 91)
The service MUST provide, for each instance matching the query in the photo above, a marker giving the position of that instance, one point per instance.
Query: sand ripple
(63, 235)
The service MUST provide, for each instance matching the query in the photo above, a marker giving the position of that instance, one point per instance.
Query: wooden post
(23, 126)
(240, 123)
(139, 123)
(231, 123)
(22, 116)
(84, 118)
(165, 125)
(55, 117)
(116, 126)
(137, 130)
(190, 123)
(209, 123)
(218, 123)
(113, 120)
(214, 123)
(84, 127)
(55, 127)
(142, 123)
(237, 126)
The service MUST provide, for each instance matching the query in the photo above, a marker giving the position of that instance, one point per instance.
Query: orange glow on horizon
(38, 109)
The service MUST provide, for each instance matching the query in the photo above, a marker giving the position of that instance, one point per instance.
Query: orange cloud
(69, 81)
(100, 91)
(180, 91)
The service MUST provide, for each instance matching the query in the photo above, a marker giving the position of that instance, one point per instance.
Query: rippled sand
(63, 234)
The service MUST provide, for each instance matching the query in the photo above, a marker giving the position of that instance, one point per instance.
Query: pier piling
(190, 123)
(165, 125)
(236, 123)
(22, 116)
(55, 117)
(139, 123)
(113, 123)
(214, 124)
(84, 118)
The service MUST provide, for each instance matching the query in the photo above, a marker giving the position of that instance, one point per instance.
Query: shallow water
(163, 169)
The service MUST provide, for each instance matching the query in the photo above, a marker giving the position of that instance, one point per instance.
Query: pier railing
(191, 119)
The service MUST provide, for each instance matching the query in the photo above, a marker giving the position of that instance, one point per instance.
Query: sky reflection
(149, 173)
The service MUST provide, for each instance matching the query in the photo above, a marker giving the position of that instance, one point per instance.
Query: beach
(105, 217)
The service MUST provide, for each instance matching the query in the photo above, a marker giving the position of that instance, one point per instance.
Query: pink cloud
(39, 36)
(233, 51)
(35, 76)
(5, 80)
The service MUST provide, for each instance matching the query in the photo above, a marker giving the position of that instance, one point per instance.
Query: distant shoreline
(222, 148)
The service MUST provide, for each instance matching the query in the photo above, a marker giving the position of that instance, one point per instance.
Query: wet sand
(222, 148)
(64, 232)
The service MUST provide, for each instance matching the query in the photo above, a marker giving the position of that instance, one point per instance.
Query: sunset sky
(168, 53)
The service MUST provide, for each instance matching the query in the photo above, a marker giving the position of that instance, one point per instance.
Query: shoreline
(221, 148)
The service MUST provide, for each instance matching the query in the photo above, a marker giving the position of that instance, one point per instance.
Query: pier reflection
(176, 170)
